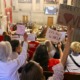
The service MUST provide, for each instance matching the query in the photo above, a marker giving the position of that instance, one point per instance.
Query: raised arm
(67, 46)
(60, 50)
(23, 55)
(51, 48)
(59, 69)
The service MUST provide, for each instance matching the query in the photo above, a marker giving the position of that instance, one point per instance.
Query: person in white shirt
(59, 68)
(16, 49)
(9, 68)
(73, 60)
(32, 36)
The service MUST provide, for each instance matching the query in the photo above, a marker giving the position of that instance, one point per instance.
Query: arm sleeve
(23, 55)
(52, 53)
(58, 72)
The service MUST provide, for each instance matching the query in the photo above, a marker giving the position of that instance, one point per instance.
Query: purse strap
(74, 61)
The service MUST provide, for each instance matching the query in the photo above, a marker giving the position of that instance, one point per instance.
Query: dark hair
(14, 44)
(6, 37)
(41, 56)
(4, 33)
(14, 27)
(31, 71)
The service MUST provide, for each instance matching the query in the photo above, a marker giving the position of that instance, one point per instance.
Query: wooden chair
(71, 76)
(67, 75)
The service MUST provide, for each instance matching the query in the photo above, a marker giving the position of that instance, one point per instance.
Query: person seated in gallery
(32, 48)
(32, 71)
(16, 49)
(1, 38)
(32, 43)
(8, 67)
(53, 48)
(29, 72)
(42, 57)
(6, 37)
(73, 60)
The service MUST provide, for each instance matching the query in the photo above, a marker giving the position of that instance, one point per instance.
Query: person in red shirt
(32, 47)
(1, 38)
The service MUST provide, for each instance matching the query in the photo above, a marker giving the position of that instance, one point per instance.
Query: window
(51, 1)
(65, 1)
(25, 1)
(37, 1)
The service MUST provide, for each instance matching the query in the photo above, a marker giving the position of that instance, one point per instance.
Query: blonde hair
(75, 46)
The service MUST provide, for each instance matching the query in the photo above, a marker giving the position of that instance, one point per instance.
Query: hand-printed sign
(69, 16)
(53, 35)
(20, 29)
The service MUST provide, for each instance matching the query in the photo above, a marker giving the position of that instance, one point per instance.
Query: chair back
(72, 76)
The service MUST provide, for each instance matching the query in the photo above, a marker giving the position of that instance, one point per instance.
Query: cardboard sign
(53, 35)
(69, 16)
(76, 35)
(20, 29)
(76, 3)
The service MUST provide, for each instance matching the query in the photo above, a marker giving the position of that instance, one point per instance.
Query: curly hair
(75, 46)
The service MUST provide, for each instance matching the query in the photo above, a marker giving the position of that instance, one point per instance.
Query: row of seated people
(45, 62)
(32, 70)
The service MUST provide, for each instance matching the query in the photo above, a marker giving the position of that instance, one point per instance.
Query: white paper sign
(53, 35)
(31, 37)
(69, 16)
(63, 34)
(20, 29)
(15, 37)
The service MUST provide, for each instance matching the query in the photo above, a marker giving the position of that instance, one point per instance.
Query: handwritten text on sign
(69, 16)
(53, 35)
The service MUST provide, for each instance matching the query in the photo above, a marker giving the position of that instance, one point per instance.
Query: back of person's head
(4, 33)
(15, 44)
(5, 50)
(9, 33)
(6, 37)
(32, 71)
(75, 46)
(31, 31)
(41, 56)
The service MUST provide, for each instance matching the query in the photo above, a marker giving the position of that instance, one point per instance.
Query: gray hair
(5, 50)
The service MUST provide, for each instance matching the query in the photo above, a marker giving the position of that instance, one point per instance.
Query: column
(69, 2)
(2, 7)
(15, 4)
(76, 30)
(60, 1)
(33, 5)
(41, 5)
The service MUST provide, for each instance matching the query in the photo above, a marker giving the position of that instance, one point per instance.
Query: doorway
(50, 21)
(25, 19)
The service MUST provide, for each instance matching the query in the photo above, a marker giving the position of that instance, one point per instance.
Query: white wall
(35, 12)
